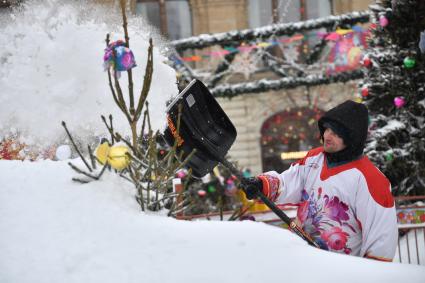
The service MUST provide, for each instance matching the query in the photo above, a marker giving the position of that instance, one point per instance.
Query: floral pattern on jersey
(324, 217)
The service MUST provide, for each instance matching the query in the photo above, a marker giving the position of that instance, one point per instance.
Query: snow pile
(51, 69)
(54, 230)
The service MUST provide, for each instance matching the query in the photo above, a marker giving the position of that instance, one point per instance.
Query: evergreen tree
(394, 91)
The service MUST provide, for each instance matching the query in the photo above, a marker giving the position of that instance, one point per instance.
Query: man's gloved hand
(251, 187)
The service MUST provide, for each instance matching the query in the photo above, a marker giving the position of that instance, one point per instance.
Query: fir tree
(394, 91)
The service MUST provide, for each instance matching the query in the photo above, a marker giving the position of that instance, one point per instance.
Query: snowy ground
(54, 230)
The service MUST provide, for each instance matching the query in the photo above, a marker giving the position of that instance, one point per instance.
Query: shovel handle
(282, 215)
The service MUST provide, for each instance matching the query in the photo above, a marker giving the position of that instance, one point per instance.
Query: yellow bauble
(358, 99)
(118, 158)
(102, 152)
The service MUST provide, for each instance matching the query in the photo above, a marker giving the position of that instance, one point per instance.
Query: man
(344, 201)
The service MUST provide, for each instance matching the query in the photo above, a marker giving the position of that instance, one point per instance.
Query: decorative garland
(242, 47)
(264, 85)
(232, 37)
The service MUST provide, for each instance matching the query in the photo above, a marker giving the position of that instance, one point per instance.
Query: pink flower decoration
(302, 211)
(335, 209)
(335, 238)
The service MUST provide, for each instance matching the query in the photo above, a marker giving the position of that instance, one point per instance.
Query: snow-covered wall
(51, 69)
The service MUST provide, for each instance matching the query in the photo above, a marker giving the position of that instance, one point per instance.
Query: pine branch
(76, 147)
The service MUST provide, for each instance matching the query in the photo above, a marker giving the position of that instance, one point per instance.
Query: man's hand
(251, 187)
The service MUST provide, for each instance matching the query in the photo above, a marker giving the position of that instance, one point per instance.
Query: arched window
(171, 17)
(287, 136)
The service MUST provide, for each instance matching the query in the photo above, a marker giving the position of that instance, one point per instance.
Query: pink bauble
(181, 174)
(399, 101)
(383, 21)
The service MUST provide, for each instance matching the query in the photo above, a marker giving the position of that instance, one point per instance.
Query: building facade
(277, 127)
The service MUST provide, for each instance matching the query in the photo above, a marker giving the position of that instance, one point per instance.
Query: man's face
(332, 142)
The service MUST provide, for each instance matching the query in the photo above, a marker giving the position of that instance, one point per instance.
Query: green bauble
(389, 157)
(211, 189)
(409, 62)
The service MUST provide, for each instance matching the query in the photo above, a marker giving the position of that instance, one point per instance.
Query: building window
(266, 12)
(171, 17)
(287, 136)
(260, 13)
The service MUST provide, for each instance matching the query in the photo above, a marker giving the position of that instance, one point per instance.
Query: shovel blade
(204, 126)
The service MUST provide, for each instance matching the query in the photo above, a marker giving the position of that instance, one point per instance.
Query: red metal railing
(411, 226)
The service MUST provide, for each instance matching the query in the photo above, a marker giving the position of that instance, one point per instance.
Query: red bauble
(365, 91)
(367, 62)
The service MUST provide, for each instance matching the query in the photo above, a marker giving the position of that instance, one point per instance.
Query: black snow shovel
(205, 127)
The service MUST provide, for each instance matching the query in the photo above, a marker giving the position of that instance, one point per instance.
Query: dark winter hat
(350, 121)
(338, 129)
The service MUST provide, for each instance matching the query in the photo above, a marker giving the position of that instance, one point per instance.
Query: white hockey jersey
(347, 208)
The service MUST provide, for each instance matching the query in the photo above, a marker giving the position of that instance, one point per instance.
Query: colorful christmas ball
(181, 174)
(365, 91)
(102, 152)
(389, 156)
(358, 99)
(367, 62)
(125, 59)
(202, 193)
(383, 21)
(211, 189)
(409, 62)
(116, 156)
(63, 152)
(118, 56)
(399, 101)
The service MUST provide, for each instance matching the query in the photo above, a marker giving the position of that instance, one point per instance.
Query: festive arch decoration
(279, 56)
(287, 135)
